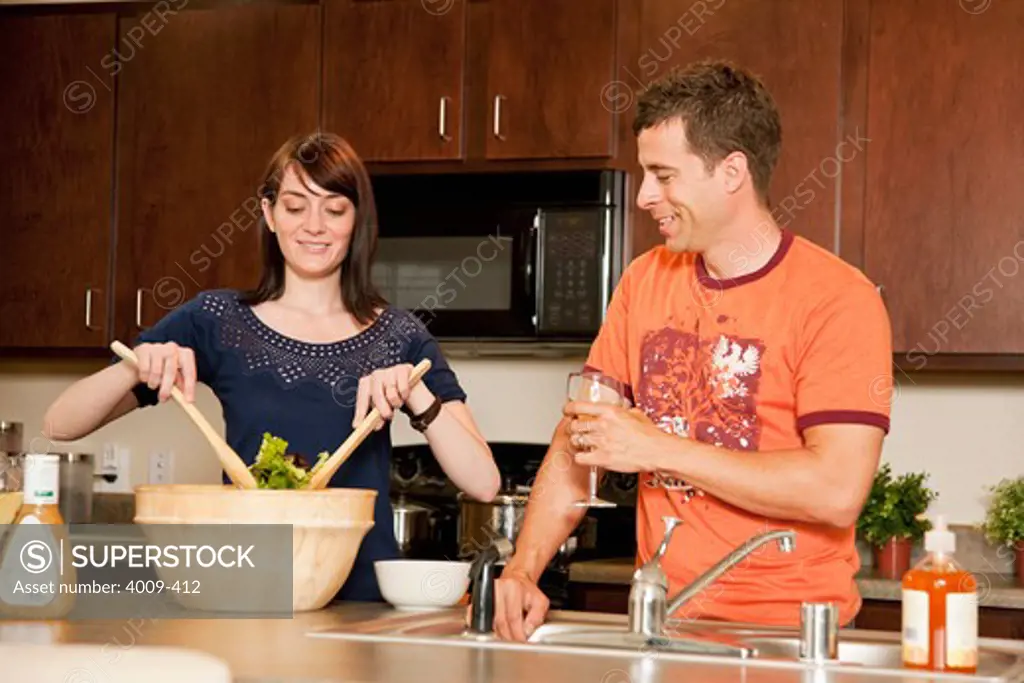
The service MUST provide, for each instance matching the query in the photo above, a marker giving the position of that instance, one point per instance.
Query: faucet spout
(482, 574)
(785, 539)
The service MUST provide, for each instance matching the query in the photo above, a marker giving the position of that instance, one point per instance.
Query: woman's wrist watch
(422, 421)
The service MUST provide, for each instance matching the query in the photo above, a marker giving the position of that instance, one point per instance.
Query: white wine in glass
(594, 387)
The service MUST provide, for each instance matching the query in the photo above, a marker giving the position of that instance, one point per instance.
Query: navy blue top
(304, 393)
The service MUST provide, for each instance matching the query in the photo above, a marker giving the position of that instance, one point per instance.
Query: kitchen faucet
(649, 604)
(481, 573)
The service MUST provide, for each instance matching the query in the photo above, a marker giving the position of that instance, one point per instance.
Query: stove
(417, 477)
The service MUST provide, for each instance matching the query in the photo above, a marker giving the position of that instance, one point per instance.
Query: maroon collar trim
(710, 282)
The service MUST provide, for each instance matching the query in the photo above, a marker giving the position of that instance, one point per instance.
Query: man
(759, 365)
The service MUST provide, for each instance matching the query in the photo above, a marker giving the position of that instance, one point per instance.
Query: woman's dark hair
(331, 163)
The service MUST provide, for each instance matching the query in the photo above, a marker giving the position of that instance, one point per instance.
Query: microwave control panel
(572, 251)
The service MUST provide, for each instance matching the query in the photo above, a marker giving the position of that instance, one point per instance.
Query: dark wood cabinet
(941, 206)
(394, 77)
(201, 111)
(548, 64)
(134, 138)
(56, 151)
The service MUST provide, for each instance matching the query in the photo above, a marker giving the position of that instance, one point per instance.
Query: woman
(306, 354)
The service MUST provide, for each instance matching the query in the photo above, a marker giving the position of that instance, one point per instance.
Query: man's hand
(613, 438)
(515, 595)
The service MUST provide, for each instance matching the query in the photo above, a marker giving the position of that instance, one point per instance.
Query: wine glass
(594, 387)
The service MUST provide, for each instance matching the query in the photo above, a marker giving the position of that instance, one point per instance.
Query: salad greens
(275, 468)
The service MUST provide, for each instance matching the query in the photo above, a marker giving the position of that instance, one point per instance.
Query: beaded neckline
(371, 334)
(336, 364)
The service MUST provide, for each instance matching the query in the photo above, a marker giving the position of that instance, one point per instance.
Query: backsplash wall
(965, 431)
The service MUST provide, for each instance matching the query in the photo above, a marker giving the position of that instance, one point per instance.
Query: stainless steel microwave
(527, 259)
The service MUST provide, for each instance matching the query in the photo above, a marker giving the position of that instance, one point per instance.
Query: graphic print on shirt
(703, 389)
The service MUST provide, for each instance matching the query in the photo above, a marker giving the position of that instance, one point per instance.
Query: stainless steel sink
(615, 636)
(583, 633)
(887, 656)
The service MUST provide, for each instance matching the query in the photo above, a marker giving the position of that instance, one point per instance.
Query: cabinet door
(943, 228)
(393, 77)
(795, 46)
(549, 64)
(203, 107)
(56, 151)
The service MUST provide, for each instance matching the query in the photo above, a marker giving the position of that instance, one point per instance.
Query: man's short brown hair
(724, 109)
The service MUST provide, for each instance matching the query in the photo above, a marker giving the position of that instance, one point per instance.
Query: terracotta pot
(892, 560)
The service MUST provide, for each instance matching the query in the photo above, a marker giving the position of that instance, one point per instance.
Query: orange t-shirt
(747, 364)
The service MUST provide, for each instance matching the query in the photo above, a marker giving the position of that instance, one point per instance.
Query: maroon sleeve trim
(629, 389)
(843, 416)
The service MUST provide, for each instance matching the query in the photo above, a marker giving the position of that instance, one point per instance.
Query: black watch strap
(422, 421)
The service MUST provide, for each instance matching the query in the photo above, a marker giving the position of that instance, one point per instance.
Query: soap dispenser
(940, 608)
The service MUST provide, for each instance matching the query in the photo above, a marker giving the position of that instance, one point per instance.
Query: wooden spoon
(229, 460)
(324, 470)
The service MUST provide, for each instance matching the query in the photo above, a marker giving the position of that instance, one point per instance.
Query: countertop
(281, 651)
(994, 590)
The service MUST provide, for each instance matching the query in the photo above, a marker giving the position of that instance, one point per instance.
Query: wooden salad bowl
(327, 529)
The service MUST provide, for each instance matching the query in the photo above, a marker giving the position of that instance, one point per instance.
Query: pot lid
(404, 505)
(499, 499)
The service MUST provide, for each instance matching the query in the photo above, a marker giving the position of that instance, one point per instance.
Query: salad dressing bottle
(37, 578)
(940, 609)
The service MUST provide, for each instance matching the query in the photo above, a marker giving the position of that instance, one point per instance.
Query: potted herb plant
(1004, 520)
(892, 519)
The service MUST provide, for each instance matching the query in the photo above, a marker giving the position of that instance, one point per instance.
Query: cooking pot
(481, 523)
(414, 526)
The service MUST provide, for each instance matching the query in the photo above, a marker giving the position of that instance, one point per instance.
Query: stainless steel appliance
(414, 526)
(77, 472)
(11, 436)
(11, 443)
(75, 494)
(509, 259)
(481, 523)
(462, 526)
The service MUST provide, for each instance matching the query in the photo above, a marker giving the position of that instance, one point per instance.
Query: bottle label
(41, 481)
(961, 630)
(916, 617)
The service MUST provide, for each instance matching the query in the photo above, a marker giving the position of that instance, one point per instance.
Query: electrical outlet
(123, 483)
(161, 467)
(113, 470)
(108, 461)
(106, 469)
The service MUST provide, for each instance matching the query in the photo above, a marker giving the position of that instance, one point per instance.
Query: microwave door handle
(539, 267)
(532, 246)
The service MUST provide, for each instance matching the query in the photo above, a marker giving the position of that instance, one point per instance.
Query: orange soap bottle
(940, 608)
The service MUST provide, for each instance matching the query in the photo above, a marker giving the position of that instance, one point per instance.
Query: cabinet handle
(442, 127)
(497, 116)
(138, 308)
(88, 309)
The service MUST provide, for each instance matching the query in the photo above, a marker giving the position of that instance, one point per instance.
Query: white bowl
(422, 584)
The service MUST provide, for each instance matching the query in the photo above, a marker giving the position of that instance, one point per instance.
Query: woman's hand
(167, 365)
(387, 389)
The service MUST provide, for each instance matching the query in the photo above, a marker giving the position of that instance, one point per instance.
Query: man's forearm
(550, 516)
(798, 484)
